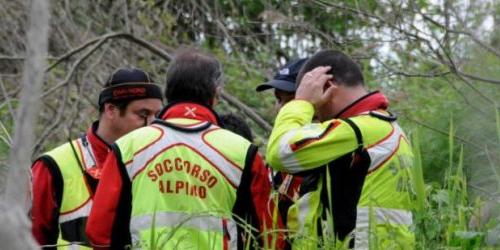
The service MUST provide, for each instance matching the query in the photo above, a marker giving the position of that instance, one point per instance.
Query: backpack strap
(357, 131)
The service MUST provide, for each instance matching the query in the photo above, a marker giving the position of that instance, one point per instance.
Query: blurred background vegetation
(438, 62)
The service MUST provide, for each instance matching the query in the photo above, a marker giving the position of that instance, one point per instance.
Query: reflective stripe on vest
(396, 217)
(87, 153)
(384, 216)
(82, 211)
(383, 150)
(287, 157)
(194, 141)
(185, 220)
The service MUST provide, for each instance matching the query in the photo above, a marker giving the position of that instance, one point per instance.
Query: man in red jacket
(184, 182)
(65, 178)
(284, 87)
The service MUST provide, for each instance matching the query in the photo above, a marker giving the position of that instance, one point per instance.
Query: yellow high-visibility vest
(76, 200)
(297, 146)
(184, 178)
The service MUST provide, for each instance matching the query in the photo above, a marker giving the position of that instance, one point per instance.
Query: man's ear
(110, 110)
(330, 90)
(329, 83)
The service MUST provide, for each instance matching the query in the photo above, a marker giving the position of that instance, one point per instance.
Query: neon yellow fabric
(181, 172)
(75, 191)
(297, 145)
(293, 124)
(65, 245)
(303, 219)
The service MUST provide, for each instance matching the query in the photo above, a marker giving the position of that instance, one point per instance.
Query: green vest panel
(76, 199)
(184, 183)
(384, 198)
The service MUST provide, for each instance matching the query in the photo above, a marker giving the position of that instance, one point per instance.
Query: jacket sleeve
(296, 144)
(45, 208)
(255, 205)
(105, 227)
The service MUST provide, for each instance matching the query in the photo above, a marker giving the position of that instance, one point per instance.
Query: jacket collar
(100, 148)
(189, 110)
(371, 101)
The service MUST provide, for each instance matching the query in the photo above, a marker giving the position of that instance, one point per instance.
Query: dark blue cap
(285, 78)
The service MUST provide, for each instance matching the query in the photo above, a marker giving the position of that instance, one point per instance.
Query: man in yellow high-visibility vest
(184, 182)
(355, 163)
(65, 178)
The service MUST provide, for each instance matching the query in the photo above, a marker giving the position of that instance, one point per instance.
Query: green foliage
(6, 126)
(457, 120)
(448, 204)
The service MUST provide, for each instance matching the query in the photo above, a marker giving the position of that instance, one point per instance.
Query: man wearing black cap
(65, 178)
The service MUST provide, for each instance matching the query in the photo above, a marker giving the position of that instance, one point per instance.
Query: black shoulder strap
(57, 179)
(389, 117)
(120, 233)
(359, 136)
(244, 208)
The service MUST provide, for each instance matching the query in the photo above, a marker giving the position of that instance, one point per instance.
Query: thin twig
(73, 69)
(7, 99)
(471, 85)
(54, 123)
(478, 78)
(492, 165)
(104, 38)
(487, 192)
(477, 146)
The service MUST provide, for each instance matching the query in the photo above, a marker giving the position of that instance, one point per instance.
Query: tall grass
(443, 211)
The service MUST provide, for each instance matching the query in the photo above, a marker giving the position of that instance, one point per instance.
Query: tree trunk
(14, 223)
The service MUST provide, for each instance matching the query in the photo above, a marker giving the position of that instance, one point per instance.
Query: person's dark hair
(193, 76)
(236, 125)
(344, 69)
(123, 76)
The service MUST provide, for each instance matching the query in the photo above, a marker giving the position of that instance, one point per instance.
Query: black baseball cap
(127, 84)
(129, 75)
(285, 78)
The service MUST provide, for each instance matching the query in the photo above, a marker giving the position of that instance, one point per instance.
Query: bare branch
(408, 74)
(471, 85)
(475, 145)
(478, 78)
(100, 42)
(103, 39)
(247, 110)
(55, 123)
(73, 68)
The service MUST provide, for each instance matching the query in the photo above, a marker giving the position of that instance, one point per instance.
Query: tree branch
(475, 145)
(247, 110)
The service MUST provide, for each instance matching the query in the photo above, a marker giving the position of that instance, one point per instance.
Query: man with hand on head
(358, 153)
(65, 178)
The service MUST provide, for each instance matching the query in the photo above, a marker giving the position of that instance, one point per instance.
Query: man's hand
(312, 87)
